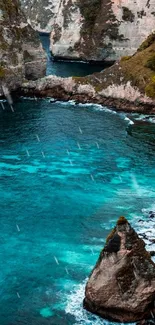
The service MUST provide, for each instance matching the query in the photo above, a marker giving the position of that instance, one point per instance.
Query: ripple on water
(65, 211)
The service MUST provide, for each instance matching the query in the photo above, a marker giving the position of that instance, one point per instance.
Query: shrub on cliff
(148, 42)
(150, 88)
(151, 63)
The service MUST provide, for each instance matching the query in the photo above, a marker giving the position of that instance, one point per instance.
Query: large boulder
(121, 287)
(21, 53)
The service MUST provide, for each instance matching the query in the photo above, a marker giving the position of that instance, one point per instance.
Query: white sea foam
(98, 107)
(3, 100)
(144, 117)
(74, 307)
(129, 121)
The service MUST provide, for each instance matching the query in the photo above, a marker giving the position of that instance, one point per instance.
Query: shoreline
(119, 105)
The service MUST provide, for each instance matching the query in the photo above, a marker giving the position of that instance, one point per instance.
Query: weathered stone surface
(121, 287)
(123, 86)
(92, 29)
(21, 53)
(101, 29)
(41, 14)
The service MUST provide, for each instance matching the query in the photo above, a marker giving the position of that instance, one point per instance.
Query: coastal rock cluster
(92, 30)
(121, 287)
(127, 85)
(21, 53)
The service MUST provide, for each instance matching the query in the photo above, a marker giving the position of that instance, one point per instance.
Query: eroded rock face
(122, 285)
(100, 29)
(41, 14)
(21, 53)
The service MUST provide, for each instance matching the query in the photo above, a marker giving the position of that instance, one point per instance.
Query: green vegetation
(150, 88)
(148, 42)
(2, 72)
(151, 63)
(125, 58)
(139, 69)
(127, 14)
(81, 80)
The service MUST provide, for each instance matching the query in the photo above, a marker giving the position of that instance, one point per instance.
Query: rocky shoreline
(118, 105)
(65, 89)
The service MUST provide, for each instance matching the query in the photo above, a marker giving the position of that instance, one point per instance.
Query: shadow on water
(68, 68)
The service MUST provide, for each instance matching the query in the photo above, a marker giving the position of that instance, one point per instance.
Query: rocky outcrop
(92, 30)
(121, 287)
(41, 14)
(99, 30)
(21, 53)
(128, 85)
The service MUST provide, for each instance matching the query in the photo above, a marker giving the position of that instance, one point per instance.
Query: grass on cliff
(140, 68)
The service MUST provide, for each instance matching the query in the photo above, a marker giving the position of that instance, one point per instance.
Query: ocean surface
(67, 173)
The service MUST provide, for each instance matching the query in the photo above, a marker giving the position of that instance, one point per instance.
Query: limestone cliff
(122, 285)
(127, 85)
(21, 53)
(101, 29)
(41, 14)
(92, 30)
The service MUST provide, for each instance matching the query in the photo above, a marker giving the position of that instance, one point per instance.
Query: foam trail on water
(136, 187)
(129, 121)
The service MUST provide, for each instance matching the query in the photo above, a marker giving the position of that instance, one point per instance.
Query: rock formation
(92, 30)
(101, 29)
(128, 85)
(21, 53)
(121, 287)
(41, 14)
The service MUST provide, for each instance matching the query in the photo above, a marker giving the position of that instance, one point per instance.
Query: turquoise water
(67, 173)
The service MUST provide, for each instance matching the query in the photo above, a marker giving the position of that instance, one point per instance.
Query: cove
(68, 68)
(67, 173)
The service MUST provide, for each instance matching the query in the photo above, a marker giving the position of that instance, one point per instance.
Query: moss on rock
(148, 42)
(150, 88)
(2, 72)
(151, 62)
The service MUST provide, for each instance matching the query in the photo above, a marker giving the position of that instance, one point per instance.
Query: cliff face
(127, 85)
(92, 29)
(101, 29)
(21, 53)
(41, 14)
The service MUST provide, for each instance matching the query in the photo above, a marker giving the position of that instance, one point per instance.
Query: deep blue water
(67, 69)
(67, 173)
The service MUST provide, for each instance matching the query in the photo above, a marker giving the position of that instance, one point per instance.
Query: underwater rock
(121, 287)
